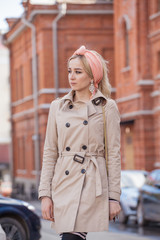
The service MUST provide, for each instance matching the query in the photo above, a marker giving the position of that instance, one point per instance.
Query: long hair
(104, 85)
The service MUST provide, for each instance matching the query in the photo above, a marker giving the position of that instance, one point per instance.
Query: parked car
(131, 182)
(148, 209)
(18, 219)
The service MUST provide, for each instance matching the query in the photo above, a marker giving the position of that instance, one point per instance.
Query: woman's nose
(72, 75)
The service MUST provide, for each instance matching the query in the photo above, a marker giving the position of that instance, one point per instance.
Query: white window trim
(141, 112)
(145, 82)
(21, 101)
(155, 93)
(157, 76)
(128, 98)
(153, 34)
(126, 69)
(21, 171)
(153, 16)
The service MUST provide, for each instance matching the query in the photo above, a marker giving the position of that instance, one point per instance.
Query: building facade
(126, 33)
(5, 126)
(137, 81)
(40, 44)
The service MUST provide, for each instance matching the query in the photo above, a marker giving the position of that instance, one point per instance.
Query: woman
(77, 195)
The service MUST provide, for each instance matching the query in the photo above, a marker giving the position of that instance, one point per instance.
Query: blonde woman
(77, 193)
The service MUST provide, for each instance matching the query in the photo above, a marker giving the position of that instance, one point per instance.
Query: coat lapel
(91, 109)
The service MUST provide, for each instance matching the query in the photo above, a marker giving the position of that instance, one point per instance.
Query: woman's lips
(73, 83)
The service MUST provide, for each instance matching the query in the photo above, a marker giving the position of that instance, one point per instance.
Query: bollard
(2, 234)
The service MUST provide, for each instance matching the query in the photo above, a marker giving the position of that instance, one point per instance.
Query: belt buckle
(78, 158)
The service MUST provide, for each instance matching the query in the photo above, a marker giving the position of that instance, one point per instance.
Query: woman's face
(78, 78)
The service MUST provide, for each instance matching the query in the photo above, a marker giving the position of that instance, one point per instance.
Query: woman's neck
(82, 96)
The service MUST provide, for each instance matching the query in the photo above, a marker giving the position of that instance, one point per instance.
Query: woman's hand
(47, 209)
(114, 209)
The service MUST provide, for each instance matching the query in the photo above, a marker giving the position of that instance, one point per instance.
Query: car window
(153, 177)
(126, 182)
(129, 180)
(157, 175)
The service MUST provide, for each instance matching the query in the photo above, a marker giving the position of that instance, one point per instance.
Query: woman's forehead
(75, 63)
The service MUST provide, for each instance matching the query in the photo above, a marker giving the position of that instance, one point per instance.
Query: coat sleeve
(50, 153)
(113, 146)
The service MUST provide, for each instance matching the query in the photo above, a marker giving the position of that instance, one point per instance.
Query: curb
(2, 234)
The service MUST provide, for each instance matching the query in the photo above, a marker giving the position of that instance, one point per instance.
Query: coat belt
(92, 157)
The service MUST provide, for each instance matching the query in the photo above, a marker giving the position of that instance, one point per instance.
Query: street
(116, 231)
(49, 234)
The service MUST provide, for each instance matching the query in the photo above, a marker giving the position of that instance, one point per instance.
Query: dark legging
(70, 236)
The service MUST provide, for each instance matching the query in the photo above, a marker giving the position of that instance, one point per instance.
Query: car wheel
(122, 217)
(13, 229)
(140, 215)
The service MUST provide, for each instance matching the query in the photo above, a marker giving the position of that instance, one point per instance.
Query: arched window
(125, 26)
(158, 61)
(126, 44)
(158, 5)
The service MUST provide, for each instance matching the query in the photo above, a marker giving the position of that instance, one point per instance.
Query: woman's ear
(91, 82)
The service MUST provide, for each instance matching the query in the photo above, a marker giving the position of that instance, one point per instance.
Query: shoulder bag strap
(105, 137)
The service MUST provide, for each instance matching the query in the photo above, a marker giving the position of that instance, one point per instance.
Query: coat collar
(68, 99)
(70, 95)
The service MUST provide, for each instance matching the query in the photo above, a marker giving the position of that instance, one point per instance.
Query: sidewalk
(2, 234)
(51, 235)
(114, 236)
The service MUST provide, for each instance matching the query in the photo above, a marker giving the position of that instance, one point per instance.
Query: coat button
(68, 149)
(84, 147)
(85, 122)
(83, 171)
(70, 106)
(97, 101)
(66, 172)
(67, 124)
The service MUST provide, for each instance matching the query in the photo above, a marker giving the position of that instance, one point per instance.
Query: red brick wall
(4, 153)
(138, 85)
(94, 31)
(134, 72)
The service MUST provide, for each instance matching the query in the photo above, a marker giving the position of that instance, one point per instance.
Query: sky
(13, 8)
(8, 9)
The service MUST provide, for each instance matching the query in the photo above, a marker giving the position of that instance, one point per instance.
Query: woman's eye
(69, 71)
(78, 72)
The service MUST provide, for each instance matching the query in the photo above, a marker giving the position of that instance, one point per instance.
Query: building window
(158, 5)
(31, 75)
(21, 83)
(33, 155)
(37, 58)
(21, 153)
(126, 44)
(19, 90)
(17, 85)
(158, 61)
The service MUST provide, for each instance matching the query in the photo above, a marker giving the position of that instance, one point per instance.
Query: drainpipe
(62, 12)
(35, 100)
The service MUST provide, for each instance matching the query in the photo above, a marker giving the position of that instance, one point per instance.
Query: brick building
(38, 74)
(137, 81)
(126, 33)
(5, 126)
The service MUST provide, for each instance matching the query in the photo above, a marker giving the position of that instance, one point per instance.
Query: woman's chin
(74, 88)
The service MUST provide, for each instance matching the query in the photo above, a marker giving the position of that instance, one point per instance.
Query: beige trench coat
(80, 191)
